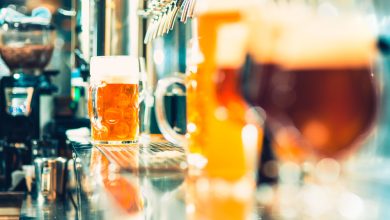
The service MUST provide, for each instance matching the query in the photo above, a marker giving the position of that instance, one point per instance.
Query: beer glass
(317, 84)
(223, 133)
(216, 112)
(114, 99)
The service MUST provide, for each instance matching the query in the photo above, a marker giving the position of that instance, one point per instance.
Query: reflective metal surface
(151, 182)
(163, 14)
(124, 182)
(50, 176)
(108, 27)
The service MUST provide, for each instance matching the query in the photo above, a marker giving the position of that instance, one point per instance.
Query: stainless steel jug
(50, 177)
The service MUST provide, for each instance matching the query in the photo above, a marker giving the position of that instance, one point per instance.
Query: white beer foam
(327, 43)
(115, 69)
(114, 79)
(232, 45)
(268, 22)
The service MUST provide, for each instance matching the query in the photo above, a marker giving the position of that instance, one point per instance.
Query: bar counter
(152, 182)
(130, 182)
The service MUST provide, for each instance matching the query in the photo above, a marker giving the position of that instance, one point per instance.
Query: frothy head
(231, 45)
(327, 43)
(268, 22)
(114, 69)
(219, 6)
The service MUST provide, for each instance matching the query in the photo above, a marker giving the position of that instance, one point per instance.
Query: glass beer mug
(222, 137)
(114, 99)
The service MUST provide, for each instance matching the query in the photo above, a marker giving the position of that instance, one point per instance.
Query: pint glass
(114, 100)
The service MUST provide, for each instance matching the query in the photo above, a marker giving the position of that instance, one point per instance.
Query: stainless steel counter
(38, 208)
(151, 182)
(140, 182)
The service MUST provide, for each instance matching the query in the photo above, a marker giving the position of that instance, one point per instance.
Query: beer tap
(164, 14)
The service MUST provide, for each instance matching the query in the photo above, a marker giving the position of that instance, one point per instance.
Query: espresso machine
(26, 47)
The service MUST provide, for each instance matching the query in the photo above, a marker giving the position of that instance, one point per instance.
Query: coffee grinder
(26, 47)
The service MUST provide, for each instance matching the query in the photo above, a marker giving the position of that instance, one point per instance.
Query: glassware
(223, 133)
(316, 82)
(114, 100)
(218, 117)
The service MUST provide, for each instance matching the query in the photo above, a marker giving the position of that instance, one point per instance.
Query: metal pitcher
(50, 177)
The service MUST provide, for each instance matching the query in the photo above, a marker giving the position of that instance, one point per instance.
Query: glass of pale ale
(114, 99)
(315, 79)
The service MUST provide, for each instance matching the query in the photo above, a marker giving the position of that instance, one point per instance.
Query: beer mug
(224, 134)
(114, 99)
(201, 64)
(218, 119)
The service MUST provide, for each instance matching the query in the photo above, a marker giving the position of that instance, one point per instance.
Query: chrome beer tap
(164, 14)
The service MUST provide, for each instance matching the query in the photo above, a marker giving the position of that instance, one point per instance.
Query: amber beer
(218, 126)
(114, 100)
(319, 89)
(200, 84)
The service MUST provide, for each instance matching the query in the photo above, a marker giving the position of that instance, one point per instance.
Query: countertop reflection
(132, 181)
(151, 182)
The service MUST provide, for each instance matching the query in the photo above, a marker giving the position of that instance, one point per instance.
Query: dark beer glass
(317, 86)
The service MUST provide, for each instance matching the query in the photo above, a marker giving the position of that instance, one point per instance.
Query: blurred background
(44, 90)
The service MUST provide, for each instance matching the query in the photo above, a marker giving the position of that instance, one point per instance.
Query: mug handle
(166, 129)
(143, 80)
(94, 97)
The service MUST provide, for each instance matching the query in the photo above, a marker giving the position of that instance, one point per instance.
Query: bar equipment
(50, 177)
(104, 29)
(14, 155)
(26, 46)
(164, 13)
(165, 56)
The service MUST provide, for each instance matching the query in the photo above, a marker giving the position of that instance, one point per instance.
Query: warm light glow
(191, 127)
(221, 113)
(328, 170)
(316, 133)
(158, 57)
(351, 206)
(250, 139)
